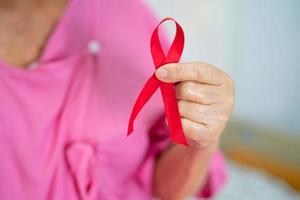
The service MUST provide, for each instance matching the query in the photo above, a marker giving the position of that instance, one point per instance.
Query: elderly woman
(69, 74)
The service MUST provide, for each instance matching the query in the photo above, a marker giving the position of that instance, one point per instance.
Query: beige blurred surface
(264, 148)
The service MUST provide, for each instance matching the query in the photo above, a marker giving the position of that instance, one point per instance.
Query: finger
(195, 71)
(199, 93)
(207, 115)
(196, 133)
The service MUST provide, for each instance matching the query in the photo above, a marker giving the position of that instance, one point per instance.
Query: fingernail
(162, 73)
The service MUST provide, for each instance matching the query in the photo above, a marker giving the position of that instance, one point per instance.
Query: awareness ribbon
(167, 89)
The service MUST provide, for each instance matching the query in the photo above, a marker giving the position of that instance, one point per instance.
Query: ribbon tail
(172, 113)
(148, 90)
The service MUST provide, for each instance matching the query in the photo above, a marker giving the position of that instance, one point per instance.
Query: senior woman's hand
(205, 100)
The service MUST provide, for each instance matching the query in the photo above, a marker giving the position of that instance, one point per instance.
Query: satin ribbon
(167, 89)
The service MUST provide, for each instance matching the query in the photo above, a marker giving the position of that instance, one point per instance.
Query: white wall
(257, 42)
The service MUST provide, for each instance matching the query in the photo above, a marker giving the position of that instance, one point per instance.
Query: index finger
(195, 71)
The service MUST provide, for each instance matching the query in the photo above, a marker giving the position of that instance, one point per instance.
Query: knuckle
(230, 102)
(189, 85)
(230, 82)
(191, 131)
(198, 73)
(195, 134)
(187, 89)
(179, 72)
(227, 104)
(188, 131)
(181, 103)
(195, 71)
(185, 125)
(180, 91)
(181, 107)
(231, 88)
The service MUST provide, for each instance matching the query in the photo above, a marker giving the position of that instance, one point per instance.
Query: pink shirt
(63, 124)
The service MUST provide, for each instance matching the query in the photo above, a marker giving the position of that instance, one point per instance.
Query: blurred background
(258, 43)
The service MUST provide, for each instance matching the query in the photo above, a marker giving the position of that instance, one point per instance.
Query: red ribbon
(167, 89)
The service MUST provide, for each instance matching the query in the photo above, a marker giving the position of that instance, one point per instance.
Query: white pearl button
(93, 47)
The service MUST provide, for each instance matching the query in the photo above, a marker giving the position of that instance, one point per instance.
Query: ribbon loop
(167, 89)
(175, 50)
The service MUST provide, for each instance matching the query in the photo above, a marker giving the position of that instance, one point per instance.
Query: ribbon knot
(80, 158)
(167, 89)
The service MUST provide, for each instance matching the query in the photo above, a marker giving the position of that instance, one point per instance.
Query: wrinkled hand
(205, 97)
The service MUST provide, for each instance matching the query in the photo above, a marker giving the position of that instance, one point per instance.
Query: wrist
(197, 150)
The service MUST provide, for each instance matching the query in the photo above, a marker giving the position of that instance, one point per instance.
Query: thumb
(168, 73)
